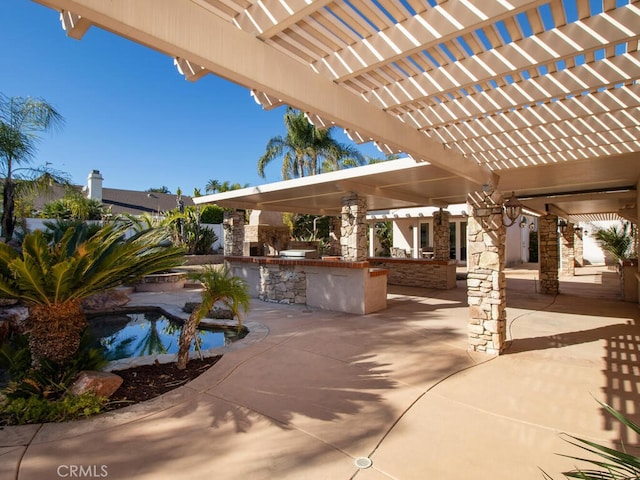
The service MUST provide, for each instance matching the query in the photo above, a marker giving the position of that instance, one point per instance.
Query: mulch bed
(149, 381)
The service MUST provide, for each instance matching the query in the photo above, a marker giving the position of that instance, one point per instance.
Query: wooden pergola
(483, 90)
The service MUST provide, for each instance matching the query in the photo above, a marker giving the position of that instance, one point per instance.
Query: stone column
(578, 248)
(233, 225)
(567, 251)
(548, 254)
(486, 281)
(441, 236)
(353, 238)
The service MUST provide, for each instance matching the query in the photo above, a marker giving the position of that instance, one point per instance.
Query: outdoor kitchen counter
(353, 287)
(418, 272)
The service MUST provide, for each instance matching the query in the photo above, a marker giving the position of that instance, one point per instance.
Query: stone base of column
(548, 256)
(353, 232)
(486, 280)
(233, 228)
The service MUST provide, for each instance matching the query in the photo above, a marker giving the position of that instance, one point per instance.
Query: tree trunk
(8, 205)
(55, 331)
(186, 337)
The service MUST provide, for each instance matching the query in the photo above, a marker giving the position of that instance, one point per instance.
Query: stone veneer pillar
(567, 251)
(486, 281)
(353, 231)
(233, 225)
(578, 248)
(441, 236)
(548, 254)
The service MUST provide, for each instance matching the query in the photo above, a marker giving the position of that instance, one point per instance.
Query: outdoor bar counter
(329, 284)
(418, 272)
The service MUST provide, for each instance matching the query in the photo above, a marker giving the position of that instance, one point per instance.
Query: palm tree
(52, 279)
(212, 186)
(306, 150)
(227, 186)
(21, 120)
(218, 286)
(617, 240)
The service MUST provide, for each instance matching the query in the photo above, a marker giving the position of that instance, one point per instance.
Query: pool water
(139, 334)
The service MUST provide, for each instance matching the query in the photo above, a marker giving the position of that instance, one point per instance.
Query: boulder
(113, 298)
(103, 384)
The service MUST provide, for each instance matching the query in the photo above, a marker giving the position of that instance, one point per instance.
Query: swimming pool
(150, 332)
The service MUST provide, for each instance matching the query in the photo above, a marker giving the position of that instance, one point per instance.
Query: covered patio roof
(523, 96)
(583, 190)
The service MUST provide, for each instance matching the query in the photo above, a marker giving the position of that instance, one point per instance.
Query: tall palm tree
(212, 186)
(305, 149)
(52, 279)
(218, 286)
(21, 120)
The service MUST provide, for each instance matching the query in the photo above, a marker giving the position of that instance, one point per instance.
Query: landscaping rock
(106, 300)
(13, 318)
(103, 384)
(217, 311)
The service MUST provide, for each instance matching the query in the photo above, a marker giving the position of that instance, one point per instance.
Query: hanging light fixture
(562, 224)
(512, 209)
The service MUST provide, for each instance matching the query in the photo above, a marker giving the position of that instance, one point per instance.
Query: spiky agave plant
(52, 279)
(218, 285)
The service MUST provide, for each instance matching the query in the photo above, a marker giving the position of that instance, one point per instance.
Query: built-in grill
(298, 254)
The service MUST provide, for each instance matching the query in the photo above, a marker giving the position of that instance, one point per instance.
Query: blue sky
(129, 113)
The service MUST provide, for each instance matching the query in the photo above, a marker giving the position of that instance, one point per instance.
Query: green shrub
(36, 409)
(211, 214)
(51, 379)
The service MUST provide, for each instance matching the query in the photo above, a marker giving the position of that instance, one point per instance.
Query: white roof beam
(574, 142)
(558, 85)
(185, 30)
(268, 18)
(428, 29)
(618, 101)
(575, 154)
(540, 134)
(526, 54)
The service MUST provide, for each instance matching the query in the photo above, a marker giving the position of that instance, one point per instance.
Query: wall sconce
(562, 224)
(513, 209)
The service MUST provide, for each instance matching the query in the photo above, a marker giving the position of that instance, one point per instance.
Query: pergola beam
(560, 44)
(432, 27)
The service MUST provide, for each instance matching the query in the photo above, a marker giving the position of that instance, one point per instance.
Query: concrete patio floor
(399, 387)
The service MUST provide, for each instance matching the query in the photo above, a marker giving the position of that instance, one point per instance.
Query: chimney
(94, 185)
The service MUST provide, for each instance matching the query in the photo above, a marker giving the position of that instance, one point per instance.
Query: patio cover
(584, 190)
(481, 90)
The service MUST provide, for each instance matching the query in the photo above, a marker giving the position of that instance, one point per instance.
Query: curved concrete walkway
(399, 387)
